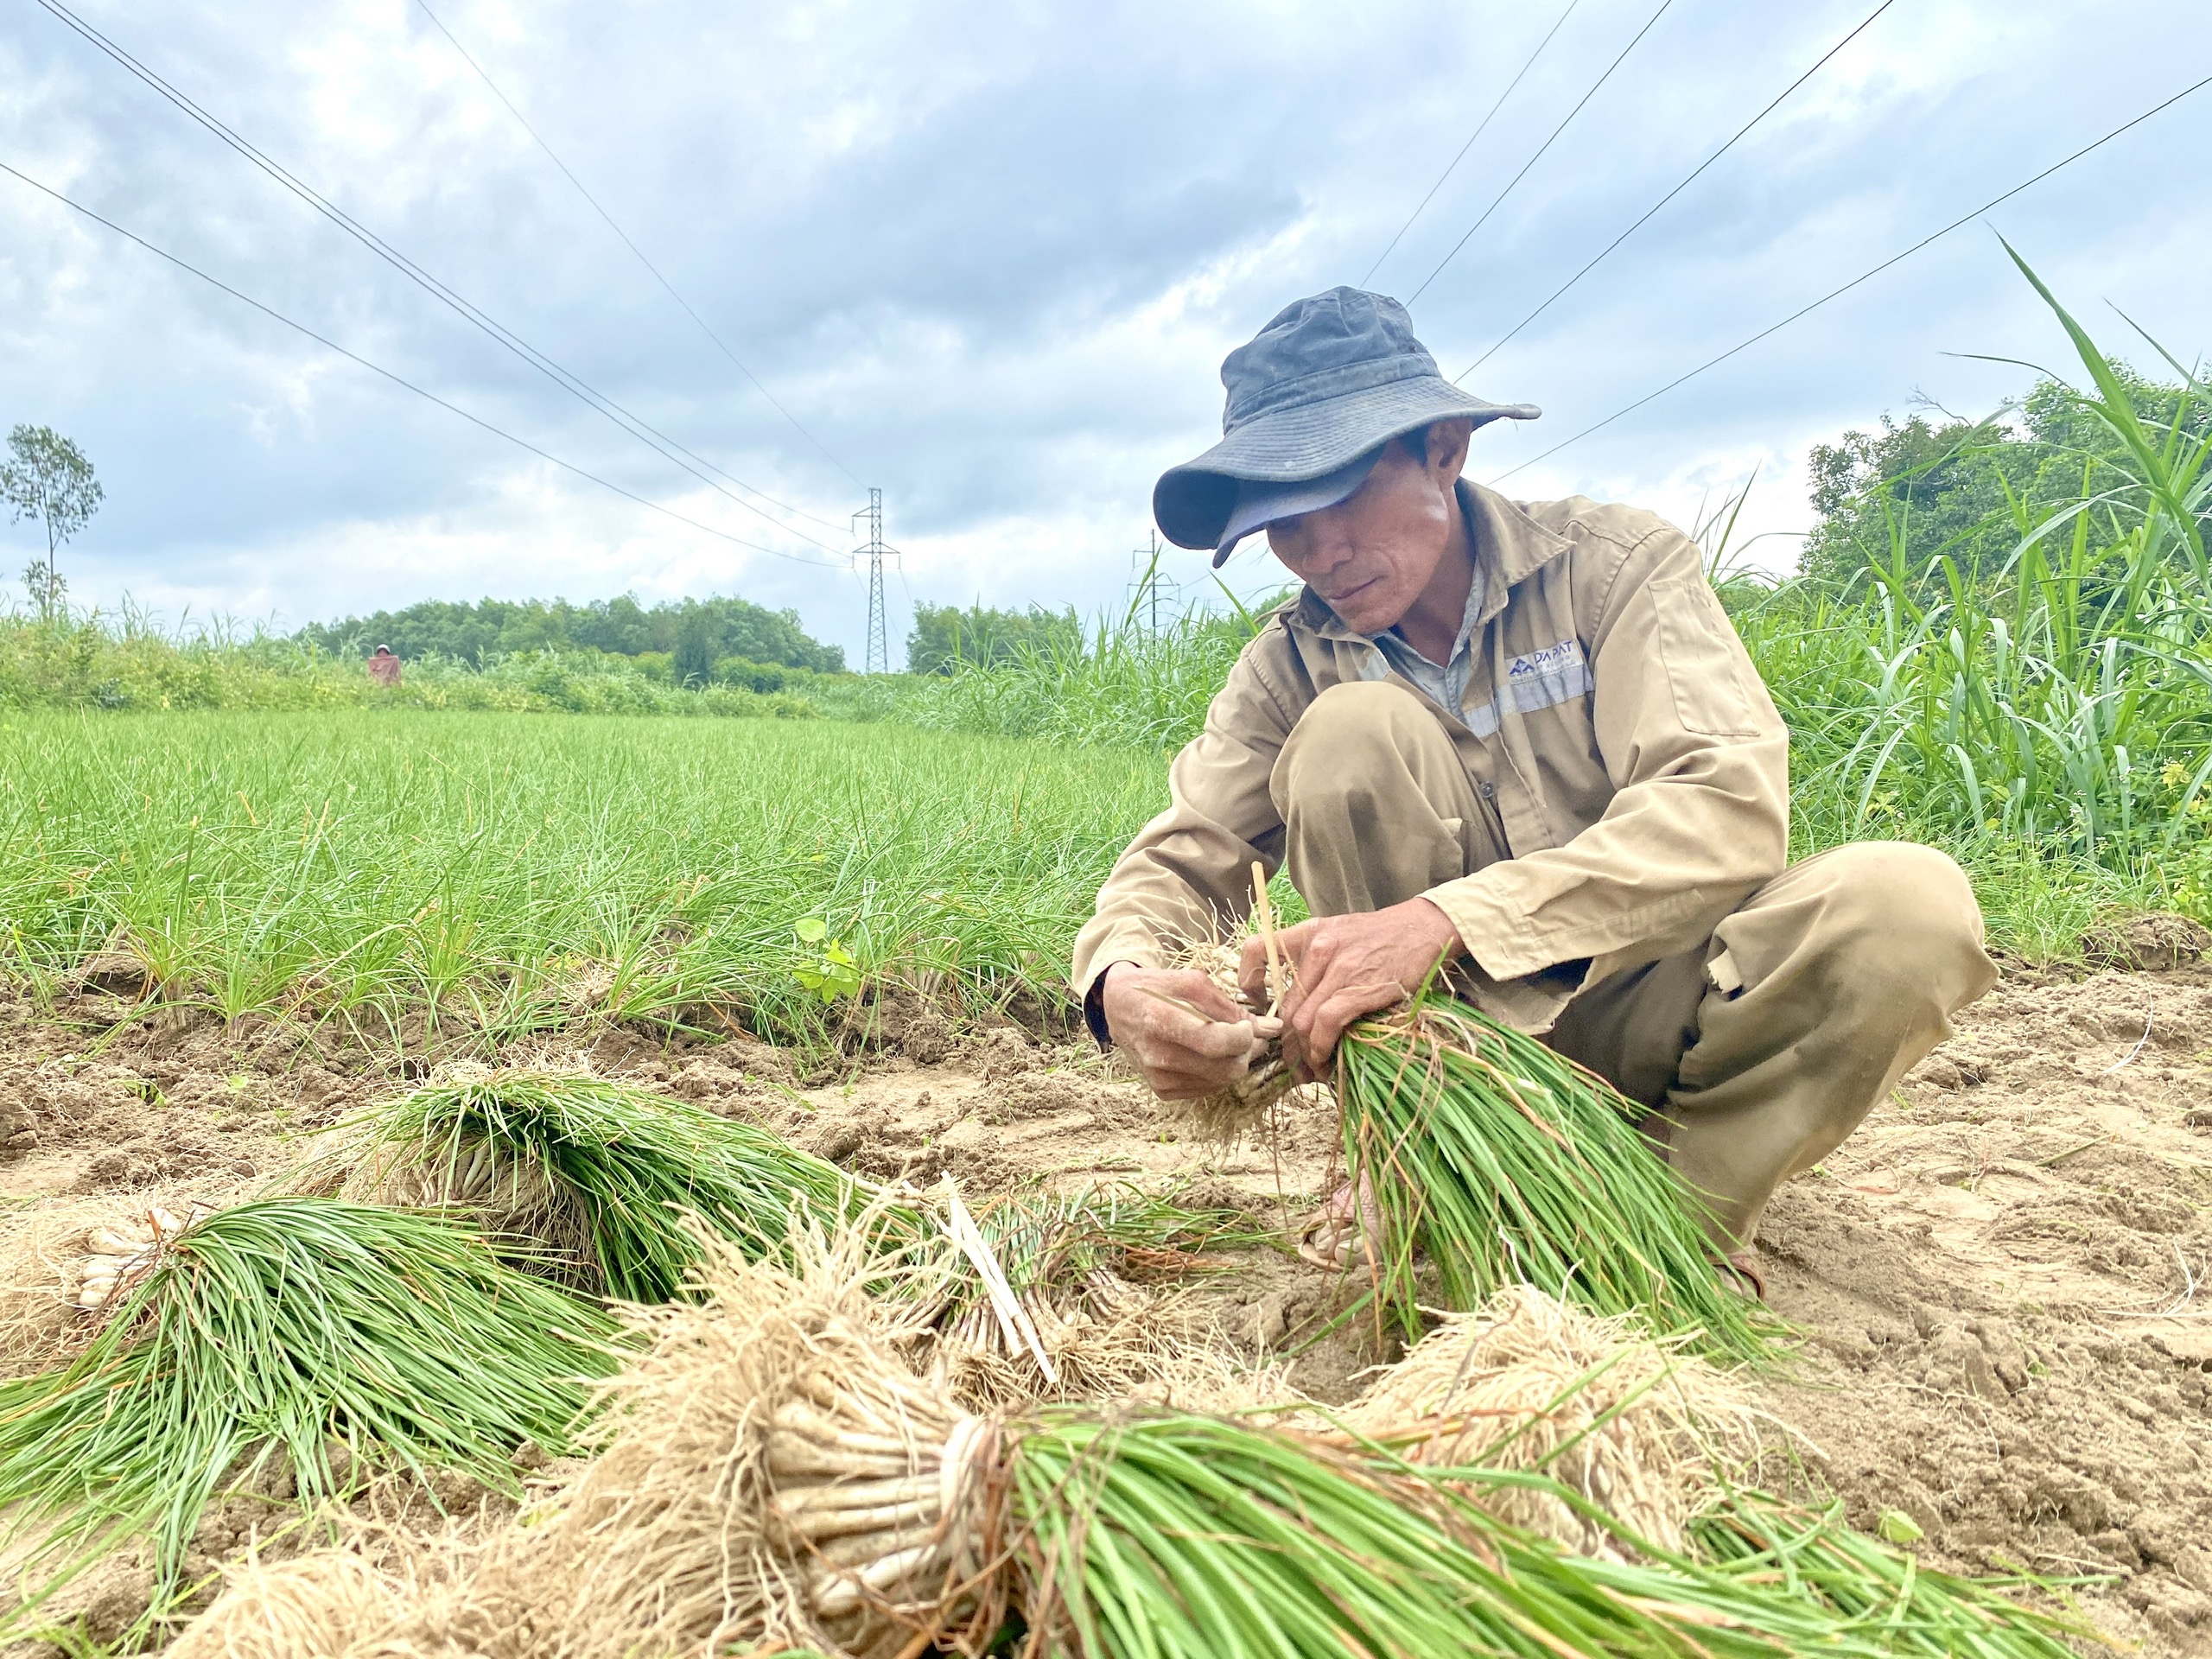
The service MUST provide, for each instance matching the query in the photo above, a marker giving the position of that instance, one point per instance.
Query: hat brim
(1192, 503)
(1260, 504)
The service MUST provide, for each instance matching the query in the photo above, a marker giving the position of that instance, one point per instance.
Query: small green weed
(832, 973)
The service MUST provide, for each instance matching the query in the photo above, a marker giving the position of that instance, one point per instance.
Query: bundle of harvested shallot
(591, 1177)
(1497, 1161)
(1061, 1295)
(330, 1340)
(783, 1479)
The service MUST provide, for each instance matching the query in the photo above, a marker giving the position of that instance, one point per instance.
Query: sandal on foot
(1739, 1272)
(1328, 1239)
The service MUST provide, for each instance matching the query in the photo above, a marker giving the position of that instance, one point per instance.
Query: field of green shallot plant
(500, 871)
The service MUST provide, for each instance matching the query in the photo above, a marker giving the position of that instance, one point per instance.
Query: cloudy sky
(988, 257)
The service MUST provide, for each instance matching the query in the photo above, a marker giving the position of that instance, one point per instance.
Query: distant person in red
(383, 667)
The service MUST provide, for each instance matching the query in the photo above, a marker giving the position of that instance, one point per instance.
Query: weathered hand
(1181, 1055)
(1345, 967)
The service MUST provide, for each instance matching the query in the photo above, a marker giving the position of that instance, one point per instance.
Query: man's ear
(1448, 448)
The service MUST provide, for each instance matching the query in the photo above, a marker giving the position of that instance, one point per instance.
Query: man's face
(1371, 554)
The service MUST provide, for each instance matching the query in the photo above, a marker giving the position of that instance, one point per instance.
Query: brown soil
(2002, 1274)
(1999, 1273)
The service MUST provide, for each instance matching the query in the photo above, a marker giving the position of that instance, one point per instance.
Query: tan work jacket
(1614, 726)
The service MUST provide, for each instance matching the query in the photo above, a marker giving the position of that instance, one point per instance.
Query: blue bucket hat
(1313, 398)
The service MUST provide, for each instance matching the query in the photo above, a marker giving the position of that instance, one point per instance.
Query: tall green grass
(2049, 722)
(1122, 683)
(508, 871)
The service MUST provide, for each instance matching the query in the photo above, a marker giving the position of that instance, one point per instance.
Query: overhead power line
(1864, 276)
(1649, 212)
(1480, 127)
(401, 380)
(722, 344)
(635, 425)
(1568, 121)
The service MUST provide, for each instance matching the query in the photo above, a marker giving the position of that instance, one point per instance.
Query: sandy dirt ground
(2000, 1277)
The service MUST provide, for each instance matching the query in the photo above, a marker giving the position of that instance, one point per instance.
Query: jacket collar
(1510, 547)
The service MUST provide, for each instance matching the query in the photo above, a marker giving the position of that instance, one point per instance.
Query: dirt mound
(2002, 1271)
(2148, 943)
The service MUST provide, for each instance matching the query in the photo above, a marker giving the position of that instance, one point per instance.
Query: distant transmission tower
(878, 636)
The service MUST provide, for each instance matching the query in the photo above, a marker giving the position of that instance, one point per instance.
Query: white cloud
(991, 255)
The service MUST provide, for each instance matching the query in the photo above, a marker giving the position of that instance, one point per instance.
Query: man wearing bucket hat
(1520, 739)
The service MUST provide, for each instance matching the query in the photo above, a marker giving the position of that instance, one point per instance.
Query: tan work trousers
(1761, 1049)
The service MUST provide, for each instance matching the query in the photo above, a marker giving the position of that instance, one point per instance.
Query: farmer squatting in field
(1522, 738)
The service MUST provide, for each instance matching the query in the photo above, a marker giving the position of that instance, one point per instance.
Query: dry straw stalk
(1530, 1385)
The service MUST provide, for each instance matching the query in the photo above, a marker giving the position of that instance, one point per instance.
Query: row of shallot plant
(484, 875)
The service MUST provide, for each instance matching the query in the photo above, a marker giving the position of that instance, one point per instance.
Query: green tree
(702, 631)
(1970, 489)
(46, 478)
(693, 660)
(944, 635)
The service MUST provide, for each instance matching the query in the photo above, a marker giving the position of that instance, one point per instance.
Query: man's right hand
(1181, 1055)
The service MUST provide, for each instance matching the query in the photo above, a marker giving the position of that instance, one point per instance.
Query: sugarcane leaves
(1500, 1162)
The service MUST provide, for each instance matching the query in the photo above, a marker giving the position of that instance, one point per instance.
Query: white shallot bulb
(119, 1256)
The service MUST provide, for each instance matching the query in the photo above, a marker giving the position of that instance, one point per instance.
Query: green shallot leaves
(1503, 1162)
(620, 1167)
(296, 1341)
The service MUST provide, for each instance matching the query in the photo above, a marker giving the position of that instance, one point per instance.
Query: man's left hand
(1345, 967)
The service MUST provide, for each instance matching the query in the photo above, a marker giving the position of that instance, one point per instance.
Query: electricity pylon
(878, 651)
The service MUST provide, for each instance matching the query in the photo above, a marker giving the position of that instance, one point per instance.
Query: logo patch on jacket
(1541, 679)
